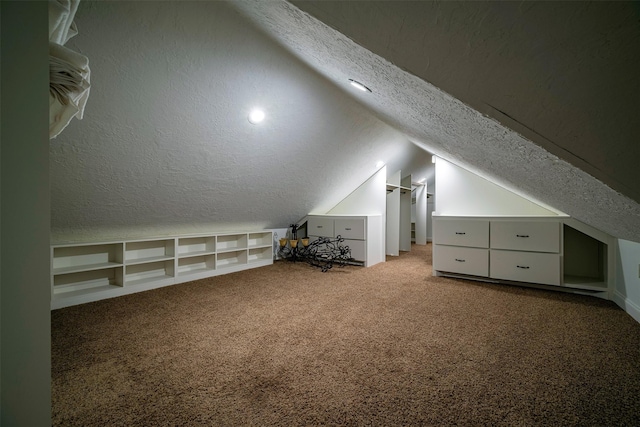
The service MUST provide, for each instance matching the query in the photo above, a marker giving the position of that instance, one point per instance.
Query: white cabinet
(461, 260)
(532, 267)
(465, 232)
(92, 271)
(506, 249)
(526, 236)
(362, 233)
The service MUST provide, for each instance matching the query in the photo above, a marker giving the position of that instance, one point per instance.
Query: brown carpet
(387, 345)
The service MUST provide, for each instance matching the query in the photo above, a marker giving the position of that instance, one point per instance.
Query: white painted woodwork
(92, 271)
(532, 267)
(462, 260)
(405, 214)
(398, 225)
(362, 234)
(526, 235)
(393, 222)
(420, 228)
(461, 232)
(525, 250)
(460, 191)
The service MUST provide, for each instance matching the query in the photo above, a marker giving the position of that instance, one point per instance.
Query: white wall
(165, 146)
(460, 192)
(25, 312)
(627, 291)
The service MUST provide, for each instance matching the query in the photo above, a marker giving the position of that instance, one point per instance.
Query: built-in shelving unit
(553, 251)
(87, 272)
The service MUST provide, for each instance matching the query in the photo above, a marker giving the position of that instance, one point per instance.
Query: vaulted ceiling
(539, 98)
(542, 98)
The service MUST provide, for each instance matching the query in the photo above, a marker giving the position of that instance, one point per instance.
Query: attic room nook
(512, 240)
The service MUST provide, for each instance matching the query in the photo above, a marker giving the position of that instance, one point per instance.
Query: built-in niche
(585, 259)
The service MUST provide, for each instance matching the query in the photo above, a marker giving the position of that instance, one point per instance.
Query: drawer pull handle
(525, 267)
(460, 260)
(347, 228)
(522, 235)
(319, 226)
(458, 232)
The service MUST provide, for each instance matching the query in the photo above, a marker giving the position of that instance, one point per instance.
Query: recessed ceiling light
(359, 85)
(256, 116)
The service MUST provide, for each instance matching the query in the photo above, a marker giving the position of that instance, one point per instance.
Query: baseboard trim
(630, 307)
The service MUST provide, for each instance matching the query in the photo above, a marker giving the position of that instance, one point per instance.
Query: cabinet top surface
(344, 215)
(157, 238)
(537, 217)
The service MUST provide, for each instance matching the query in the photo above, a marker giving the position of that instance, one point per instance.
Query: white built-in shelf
(553, 250)
(92, 271)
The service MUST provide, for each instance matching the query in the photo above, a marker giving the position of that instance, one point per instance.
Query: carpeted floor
(387, 345)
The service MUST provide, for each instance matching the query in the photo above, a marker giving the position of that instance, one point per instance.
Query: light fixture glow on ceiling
(359, 85)
(256, 116)
(379, 164)
(433, 158)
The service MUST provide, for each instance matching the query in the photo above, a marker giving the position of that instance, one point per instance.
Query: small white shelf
(87, 280)
(231, 242)
(87, 267)
(196, 264)
(145, 273)
(149, 251)
(66, 259)
(196, 246)
(231, 259)
(92, 271)
(257, 240)
(260, 254)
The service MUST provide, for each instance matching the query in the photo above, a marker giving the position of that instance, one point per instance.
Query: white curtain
(69, 73)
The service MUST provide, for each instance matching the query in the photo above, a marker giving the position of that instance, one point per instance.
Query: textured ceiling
(165, 146)
(539, 143)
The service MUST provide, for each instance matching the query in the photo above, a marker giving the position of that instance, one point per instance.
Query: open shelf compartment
(260, 254)
(231, 259)
(231, 242)
(196, 246)
(69, 259)
(149, 251)
(585, 260)
(150, 272)
(260, 239)
(87, 281)
(196, 264)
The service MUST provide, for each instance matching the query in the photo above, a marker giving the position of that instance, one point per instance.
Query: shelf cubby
(585, 260)
(260, 254)
(231, 259)
(149, 251)
(92, 271)
(88, 281)
(70, 259)
(260, 239)
(195, 246)
(231, 242)
(196, 264)
(149, 272)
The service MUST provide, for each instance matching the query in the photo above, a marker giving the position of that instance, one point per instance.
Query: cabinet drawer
(358, 250)
(349, 228)
(319, 226)
(532, 267)
(526, 236)
(473, 261)
(461, 232)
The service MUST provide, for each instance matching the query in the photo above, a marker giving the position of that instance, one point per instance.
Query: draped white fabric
(69, 73)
